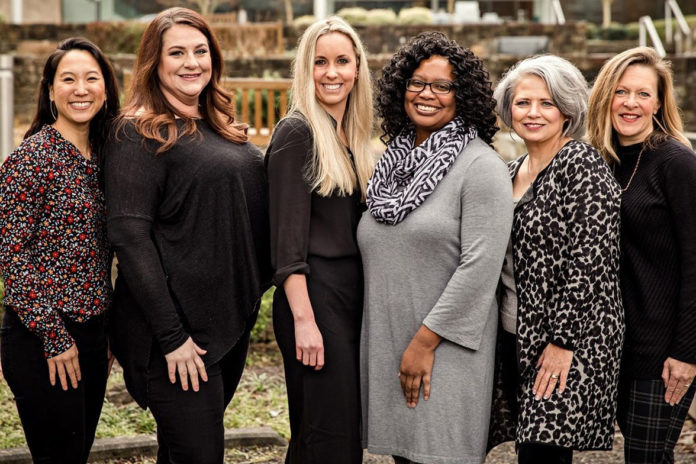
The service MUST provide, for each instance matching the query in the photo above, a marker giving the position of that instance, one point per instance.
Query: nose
(191, 61)
(630, 100)
(80, 88)
(533, 109)
(331, 71)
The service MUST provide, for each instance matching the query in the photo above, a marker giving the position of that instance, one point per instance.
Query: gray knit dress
(439, 267)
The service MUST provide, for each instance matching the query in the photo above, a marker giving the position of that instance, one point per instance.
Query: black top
(658, 256)
(190, 229)
(304, 223)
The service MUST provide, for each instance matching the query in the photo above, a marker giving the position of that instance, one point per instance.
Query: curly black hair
(474, 94)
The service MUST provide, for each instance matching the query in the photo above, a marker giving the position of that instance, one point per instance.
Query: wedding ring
(554, 376)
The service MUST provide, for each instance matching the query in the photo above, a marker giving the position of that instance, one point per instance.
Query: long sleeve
(680, 190)
(290, 200)
(590, 205)
(462, 310)
(134, 183)
(26, 180)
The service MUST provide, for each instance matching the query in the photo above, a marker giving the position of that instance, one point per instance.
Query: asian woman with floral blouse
(55, 257)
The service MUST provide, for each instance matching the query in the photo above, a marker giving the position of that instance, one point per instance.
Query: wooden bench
(250, 107)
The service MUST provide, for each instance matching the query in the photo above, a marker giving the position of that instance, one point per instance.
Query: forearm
(295, 287)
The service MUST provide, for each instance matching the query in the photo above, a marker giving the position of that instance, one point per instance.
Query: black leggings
(189, 424)
(59, 425)
(537, 453)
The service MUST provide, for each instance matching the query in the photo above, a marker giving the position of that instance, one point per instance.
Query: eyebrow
(202, 44)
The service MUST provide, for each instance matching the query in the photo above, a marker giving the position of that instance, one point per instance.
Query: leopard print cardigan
(566, 259)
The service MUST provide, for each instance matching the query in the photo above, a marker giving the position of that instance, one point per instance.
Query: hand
(67, 366)
(309, 344)
(186, 360)
(678, 377)
(417, 365)
(553, 367)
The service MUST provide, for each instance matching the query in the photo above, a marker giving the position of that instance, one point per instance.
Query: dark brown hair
(154, 115)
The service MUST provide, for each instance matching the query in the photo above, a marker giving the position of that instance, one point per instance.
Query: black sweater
(658, 256)
(190, 229)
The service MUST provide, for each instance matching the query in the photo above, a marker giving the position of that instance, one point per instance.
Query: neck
(78, 135)
(541, 154)
(188, 108)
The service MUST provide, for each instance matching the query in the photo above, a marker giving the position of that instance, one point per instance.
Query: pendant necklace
(635, 169)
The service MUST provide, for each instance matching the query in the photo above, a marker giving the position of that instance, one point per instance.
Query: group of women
(429, 304)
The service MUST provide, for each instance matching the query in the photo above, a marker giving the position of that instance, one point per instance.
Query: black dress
(316, 236)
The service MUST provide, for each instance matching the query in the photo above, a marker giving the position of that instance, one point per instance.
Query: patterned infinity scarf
(405, 176)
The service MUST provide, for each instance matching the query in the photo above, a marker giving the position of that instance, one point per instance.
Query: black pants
(59, 425)
(189, 424)
(536, 453)
(324, 405)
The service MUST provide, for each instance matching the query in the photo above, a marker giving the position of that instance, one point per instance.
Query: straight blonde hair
(331, 170)
(668, 122)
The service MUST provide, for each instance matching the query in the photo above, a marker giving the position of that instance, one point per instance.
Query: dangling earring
(105, 106)
(51, 106)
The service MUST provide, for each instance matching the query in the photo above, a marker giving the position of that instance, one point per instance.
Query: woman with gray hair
(561, 309)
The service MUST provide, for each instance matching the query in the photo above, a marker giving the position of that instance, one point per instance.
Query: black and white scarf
(405, 176)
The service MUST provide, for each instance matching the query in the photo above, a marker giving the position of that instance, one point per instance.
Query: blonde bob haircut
(331, 170)
(668, 122)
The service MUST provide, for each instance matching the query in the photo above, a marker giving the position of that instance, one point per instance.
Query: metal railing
(6, 106)
(682, 35)
(647, 27)
(558, 12)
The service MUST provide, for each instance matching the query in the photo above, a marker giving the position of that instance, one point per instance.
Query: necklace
(635, 169)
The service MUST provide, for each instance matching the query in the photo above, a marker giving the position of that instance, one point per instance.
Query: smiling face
(634, 104)
(184, 67)
(430, 111)
(535, 117)
(78, 89)
(335, 72)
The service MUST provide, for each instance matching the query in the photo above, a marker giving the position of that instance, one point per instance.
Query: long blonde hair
(668, 122)
(329, 173)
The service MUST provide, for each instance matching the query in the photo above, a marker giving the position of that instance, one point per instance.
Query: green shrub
(303, 21)
(354, 15)
(381, 16)
(415, 15)
(263, 330)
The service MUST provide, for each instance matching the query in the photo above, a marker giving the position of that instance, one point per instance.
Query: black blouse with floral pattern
(54, 252)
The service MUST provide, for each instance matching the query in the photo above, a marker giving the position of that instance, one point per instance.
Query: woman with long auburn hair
(318, 164)
(186, 198)
(634, 122)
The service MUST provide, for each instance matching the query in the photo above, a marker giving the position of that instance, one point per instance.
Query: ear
(657, 108)
(50, 93)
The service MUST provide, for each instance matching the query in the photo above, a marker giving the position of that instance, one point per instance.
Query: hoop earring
(52, 105)
(105, 106)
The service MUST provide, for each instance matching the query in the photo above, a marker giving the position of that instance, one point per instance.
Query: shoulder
(577, 152)
(482, 157)
(672, 151)
(292, 126)
(291, 142)
(37, 150)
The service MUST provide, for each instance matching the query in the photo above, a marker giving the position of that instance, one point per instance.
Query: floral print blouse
(54, 253)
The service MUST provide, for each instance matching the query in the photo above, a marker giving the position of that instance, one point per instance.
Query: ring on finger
(554, 376)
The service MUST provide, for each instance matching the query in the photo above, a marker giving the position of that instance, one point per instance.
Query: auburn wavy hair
(473, 90)
(155, 117)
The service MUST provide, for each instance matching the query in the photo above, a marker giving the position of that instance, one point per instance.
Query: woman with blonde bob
(561, 312)
(186, 202)
(635, 123)
(318, 164)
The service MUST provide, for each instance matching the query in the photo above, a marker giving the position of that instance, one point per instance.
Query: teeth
(80, 104)
(332, 86)
(534, 126)
(426, 108)
(629, 116)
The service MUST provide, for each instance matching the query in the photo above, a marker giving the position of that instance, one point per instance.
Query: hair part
(331, 170)
(565, 83)
(155, 117)
(668, 121)
(101, 123)
(472, 86)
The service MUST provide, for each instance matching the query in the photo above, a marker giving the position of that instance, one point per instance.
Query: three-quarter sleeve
(680, 191)
(290, 198)
(591, 207)
(463, 308)
(26, 179)
(134, 180)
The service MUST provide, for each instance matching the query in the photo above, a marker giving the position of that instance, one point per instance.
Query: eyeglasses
(440, 87)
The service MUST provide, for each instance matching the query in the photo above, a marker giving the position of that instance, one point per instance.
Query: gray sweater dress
(439, 267)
